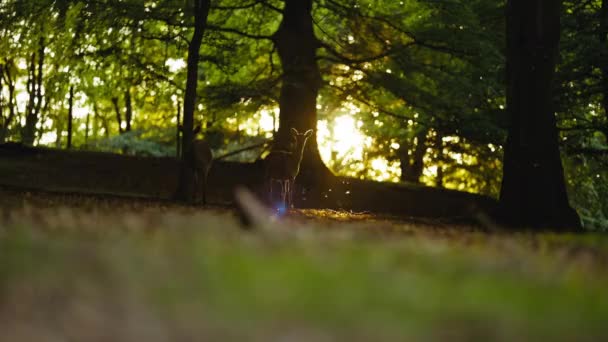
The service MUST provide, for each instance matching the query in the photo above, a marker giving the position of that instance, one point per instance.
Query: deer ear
(294, 131)
(308, 133)
(197, 129)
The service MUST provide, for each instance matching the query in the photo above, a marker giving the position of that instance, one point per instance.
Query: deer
(200, 161)
(283, 166)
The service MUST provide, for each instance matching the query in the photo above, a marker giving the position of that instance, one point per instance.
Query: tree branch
(237, 32)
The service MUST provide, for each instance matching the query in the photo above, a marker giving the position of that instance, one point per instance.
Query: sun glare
(175, 65)
(343, 146)
(340, 139)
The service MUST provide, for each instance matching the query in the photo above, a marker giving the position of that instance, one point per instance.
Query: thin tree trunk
(106, 127)
(95, 120)
(35, 100)
(440, 159)
(128, 110)
(412, 162)
(70, 116)
(39, 78)
(118, 116)
(533, 192)
(27, 136)
(186, 179)
(86, 129)
(296, 45)
(4, 129)
(43, 116)
(58, 129)
(178, 145)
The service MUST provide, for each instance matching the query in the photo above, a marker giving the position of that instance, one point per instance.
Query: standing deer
(201, 158)
(283, 166)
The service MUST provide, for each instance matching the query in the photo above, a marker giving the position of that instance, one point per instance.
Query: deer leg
(288, 195)
(284, 191)
(204, 186)
(195, 186)
(270, 200)
(292, 185)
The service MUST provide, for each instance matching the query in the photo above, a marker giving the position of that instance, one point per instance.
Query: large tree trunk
(533, 192)
(297, 45)
(185, 191)
(603, 39)
(1, 99)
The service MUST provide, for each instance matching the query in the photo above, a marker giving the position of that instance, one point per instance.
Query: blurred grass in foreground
(123, 272)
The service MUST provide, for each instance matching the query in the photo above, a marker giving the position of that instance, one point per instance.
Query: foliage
(137, 143)
(398, 68)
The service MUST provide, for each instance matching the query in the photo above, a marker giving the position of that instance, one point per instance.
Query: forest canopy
(409, 91)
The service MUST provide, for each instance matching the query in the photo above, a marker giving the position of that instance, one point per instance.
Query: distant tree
(200, 13)
(70, 116)
(7, 72)
(533, 192)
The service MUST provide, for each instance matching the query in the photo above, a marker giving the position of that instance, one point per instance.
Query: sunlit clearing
(175, 65)
(266, 120)
(383, 170)
(261, 123)
(80, 111)
(22, 99)
(48, 138)
(340, 139)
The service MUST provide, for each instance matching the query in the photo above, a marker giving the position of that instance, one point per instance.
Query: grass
(96, 269)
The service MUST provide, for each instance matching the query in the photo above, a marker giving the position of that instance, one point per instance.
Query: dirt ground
(102, 267)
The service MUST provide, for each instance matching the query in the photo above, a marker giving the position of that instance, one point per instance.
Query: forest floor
(104, 268)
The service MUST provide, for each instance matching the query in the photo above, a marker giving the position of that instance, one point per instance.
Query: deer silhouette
(200, 161)
(283, 166)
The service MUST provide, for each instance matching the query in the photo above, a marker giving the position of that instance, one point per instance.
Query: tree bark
(70, 116)
(603, 39)
(186, 178)
(533, 192)
(1, 98)
(296, 45)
